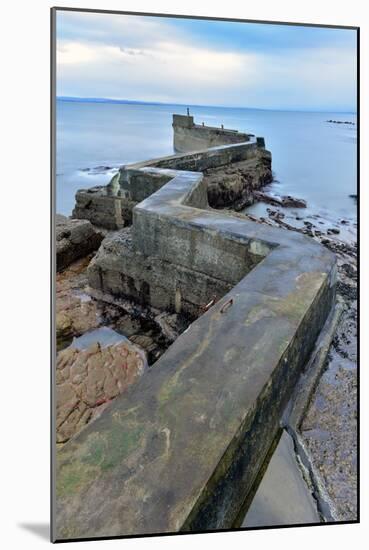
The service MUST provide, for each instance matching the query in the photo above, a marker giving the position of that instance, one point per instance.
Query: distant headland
(78, 99)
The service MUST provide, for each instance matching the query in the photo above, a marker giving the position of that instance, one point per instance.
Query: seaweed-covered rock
(233, 185)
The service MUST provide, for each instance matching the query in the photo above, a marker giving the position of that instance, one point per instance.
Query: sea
(312, 158)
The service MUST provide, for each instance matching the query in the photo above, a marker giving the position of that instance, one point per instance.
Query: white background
(24, 256)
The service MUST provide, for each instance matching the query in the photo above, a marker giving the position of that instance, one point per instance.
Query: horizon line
(143, 102)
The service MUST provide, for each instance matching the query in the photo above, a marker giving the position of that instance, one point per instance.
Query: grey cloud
(130, 51)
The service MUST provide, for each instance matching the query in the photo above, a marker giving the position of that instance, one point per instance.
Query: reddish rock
(76, 312)
(88, 380)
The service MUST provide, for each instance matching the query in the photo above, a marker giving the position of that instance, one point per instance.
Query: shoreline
(329, 427)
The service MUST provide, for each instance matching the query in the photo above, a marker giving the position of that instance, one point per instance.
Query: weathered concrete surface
(231, 172)
(77, 314)
(203, 159)
(283, 497)
(181, 449)
(121, 272)
(88, 379)
(100, 208)
(74, 239)
(199, 422)
(188, 136)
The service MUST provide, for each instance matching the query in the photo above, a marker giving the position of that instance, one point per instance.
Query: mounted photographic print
(204, 246)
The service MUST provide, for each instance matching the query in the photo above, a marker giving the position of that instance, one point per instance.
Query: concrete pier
(111, 206)
(188, 136)
(181, 449)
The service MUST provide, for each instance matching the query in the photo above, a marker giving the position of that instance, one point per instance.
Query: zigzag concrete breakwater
(232, 172)
(181, 449)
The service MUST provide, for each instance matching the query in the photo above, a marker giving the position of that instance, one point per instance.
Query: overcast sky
(205, 62)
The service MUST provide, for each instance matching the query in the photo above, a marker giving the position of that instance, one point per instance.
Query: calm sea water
(312, 159)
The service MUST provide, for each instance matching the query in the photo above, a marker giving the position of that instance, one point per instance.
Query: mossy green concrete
(181, 449)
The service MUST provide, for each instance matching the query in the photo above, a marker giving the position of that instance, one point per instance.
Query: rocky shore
(235, 185)
(342, 122)
(78, 313)
(329, 428)
(74, 239)
(89, 378)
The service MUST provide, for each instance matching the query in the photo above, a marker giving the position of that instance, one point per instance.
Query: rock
(350, 271)
(347, 291)
(87, 380)
(76, 313)
(128, 326)
(144, 341)
(333, 231)
(74, 239)
(275, 214)
(269, 199)
(97, 170)
(293, 202)
(233, 185)
(341, 122)
(330, 423)
(63, 325)
(252, 218)
(245, 200)
(149, 345)
(286, 201)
